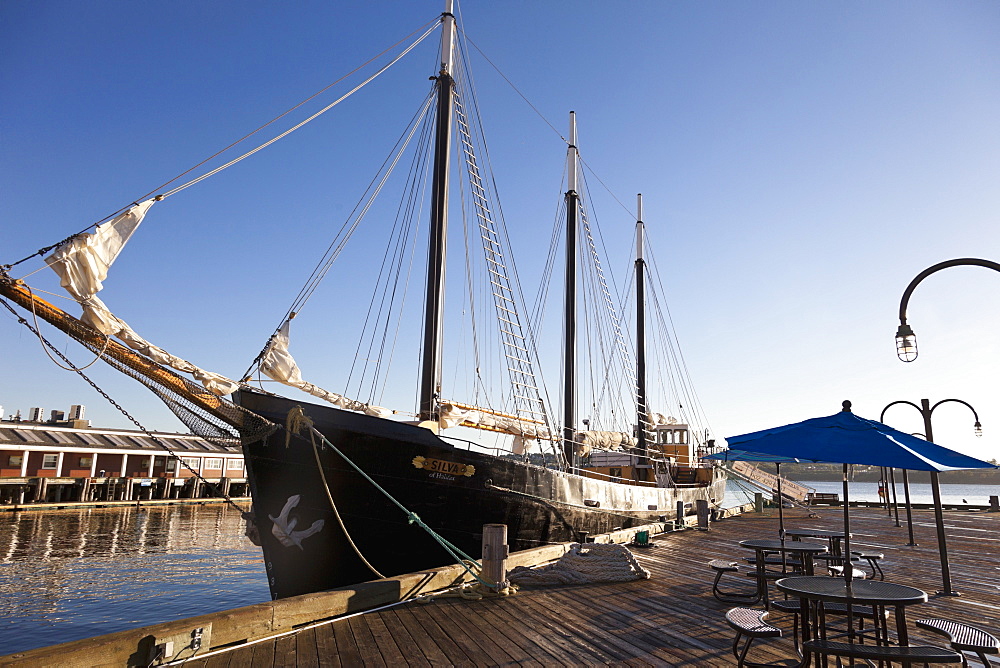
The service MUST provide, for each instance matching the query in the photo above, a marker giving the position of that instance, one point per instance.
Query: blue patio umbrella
(846, 438)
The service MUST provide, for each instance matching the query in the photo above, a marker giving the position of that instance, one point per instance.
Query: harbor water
(78, 573)
(71, 574)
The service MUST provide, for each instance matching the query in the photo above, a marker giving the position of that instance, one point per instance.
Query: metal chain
(212, 487)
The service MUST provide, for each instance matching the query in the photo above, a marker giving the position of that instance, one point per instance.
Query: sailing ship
(348, 491)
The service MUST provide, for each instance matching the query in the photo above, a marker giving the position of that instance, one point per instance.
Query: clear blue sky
(800, 163)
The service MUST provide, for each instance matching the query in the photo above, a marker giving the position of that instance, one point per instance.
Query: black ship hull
(453, 490)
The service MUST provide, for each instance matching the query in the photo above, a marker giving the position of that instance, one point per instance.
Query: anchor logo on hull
(283, 528)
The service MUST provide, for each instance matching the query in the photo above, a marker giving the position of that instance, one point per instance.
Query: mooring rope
(295, 422)
(457, 554)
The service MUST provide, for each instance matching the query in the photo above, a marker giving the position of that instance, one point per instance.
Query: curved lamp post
(906, 340)
(925, 412)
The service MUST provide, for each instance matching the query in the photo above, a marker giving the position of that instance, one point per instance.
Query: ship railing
(584, 473)
(464, 444)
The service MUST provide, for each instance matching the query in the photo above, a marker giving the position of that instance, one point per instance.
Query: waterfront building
(62, 459)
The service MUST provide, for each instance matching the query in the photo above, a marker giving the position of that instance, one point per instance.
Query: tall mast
(640, 326)
(430, 378)
(569, 361)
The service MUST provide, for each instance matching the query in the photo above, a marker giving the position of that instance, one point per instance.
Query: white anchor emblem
(284, 529)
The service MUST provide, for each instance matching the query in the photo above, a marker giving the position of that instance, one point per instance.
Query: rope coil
(586, 563)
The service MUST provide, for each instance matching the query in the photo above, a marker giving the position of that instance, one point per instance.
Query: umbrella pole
(884, 484)
(909, 509)
(942, 546)
(926, 410)
(895, 499)
(781, 516)
(848, 567)
(781, 505)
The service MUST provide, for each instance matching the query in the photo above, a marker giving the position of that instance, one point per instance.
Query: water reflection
(71, 574)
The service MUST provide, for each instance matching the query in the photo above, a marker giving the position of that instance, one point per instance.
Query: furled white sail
(453, 415)
(606, 440)
(656, 419)
(82, 264)
(278, 364)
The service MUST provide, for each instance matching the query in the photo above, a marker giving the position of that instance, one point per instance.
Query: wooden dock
(670, 620)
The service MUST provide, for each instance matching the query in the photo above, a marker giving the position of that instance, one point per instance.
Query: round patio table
(817, 590)
(835, 557)
(833, 535)
(761, 546)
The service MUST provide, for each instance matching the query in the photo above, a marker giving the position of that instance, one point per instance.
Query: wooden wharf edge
(207, 500)
(249, 624)
(670, 620)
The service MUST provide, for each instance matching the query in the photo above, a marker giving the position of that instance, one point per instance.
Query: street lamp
(906, 343)
(926, 410)
(906, 340)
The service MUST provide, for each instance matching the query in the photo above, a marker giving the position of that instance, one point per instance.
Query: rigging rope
(546, 121)
(299, 125)
(516, 90)
(433, 25)
(460, 557)
(499, 227)
(346, 231)
(525, 399)
(393, 258)
(297, 421)
(71, 367)
(698, 411)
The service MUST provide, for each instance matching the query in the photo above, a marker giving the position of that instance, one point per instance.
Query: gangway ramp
(769, 482)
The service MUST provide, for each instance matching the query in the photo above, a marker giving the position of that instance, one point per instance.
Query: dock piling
(495, 552)
(704, 515)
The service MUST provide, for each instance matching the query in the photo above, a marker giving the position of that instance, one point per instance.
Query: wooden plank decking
(670, 620)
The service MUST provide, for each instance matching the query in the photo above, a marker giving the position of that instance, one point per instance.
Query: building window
(234, 464)
(171, 465)
(193, 462)
(86, 462)
(213, 464)
(15, 460)
(49, 461)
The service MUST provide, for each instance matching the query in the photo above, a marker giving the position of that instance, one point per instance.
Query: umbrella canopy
(845, 438)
